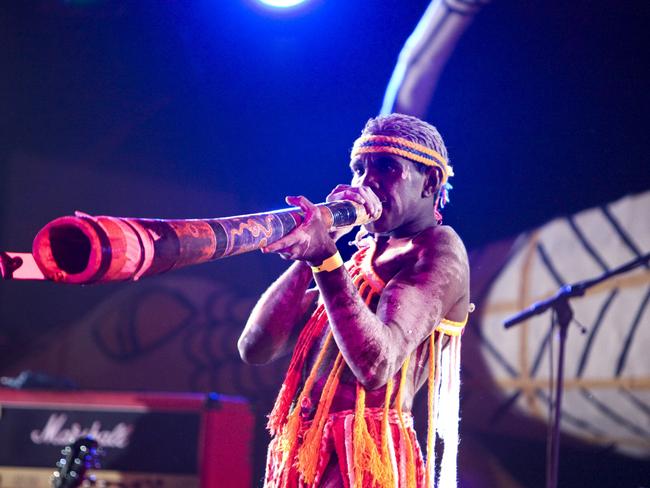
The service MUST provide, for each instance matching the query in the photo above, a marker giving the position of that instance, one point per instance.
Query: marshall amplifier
(148, 440)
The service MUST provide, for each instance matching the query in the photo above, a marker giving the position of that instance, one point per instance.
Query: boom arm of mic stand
(574, 290)
(563, 294)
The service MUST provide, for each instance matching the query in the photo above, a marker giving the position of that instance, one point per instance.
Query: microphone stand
(564, 313)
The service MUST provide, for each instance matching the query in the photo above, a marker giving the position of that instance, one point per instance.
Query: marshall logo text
(56, 433)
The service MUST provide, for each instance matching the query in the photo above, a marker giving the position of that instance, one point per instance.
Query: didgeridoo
(84, 249)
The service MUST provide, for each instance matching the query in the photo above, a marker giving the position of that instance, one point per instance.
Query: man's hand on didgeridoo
(310, 241)
(362, 195)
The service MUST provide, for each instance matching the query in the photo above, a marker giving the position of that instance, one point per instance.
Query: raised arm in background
(425, 54)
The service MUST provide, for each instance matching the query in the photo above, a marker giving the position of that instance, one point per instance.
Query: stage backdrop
(178, 332)
(607, 373)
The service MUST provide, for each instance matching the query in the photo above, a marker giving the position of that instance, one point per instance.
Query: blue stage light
(281, 3)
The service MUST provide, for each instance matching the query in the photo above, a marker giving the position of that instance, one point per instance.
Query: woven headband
(405, 148)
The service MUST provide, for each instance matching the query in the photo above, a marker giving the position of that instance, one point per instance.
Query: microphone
(83, 249)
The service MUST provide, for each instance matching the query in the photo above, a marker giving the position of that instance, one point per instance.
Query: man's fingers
(291, 252)
(300, 201)
(306, 239)
(281, 244)
(310, 209)
(275, 247)
(350, 194)
(291, 244)
(291, 200)
(338, 188)
(337, 193)
(369, 195)
(373, 204)
(362, 195)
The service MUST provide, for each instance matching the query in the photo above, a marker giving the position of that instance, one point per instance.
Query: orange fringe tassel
(410, 462)
(308, 452)
(289, 434)
(367, 459)
(308, 336)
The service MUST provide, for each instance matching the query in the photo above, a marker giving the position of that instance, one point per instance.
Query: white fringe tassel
(449, 413)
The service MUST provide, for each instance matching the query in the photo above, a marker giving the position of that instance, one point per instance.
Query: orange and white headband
(405, 148)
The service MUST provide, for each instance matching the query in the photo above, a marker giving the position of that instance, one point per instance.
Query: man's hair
(410, 128)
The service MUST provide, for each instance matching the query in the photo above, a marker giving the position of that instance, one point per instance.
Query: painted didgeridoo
(84, 249)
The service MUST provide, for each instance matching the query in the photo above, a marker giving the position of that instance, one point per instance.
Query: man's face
(397, 183)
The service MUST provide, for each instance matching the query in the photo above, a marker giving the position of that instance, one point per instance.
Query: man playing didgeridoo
(374, 330)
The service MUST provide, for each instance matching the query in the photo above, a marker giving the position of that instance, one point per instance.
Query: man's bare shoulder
(443, 267)
(441, 240)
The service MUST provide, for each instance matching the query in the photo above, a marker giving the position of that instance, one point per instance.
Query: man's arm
(425, 54)
(278, 316)
(376, 345)
(274, 322)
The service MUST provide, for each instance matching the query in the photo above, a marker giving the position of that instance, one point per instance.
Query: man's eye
(386, 165)
(357, 171)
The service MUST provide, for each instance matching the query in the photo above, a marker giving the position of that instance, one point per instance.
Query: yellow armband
(330, 264)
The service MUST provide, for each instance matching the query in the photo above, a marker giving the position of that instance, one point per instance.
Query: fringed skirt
(404, 453)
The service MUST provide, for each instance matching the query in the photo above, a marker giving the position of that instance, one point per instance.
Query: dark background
(215, 107)
(543, 105)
